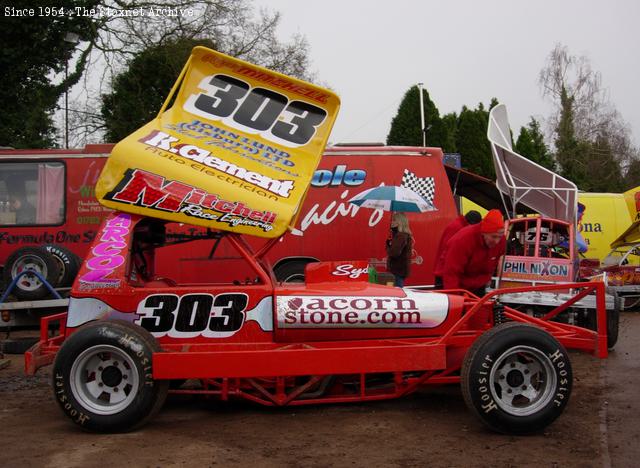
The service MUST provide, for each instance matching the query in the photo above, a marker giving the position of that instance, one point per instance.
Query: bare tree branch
(594, 116)
(125, 28)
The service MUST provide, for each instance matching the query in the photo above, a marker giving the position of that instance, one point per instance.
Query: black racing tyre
(29, 287)
(68, 262)
(613, 322)
(516, 378)
(102, 377)
(291, 272)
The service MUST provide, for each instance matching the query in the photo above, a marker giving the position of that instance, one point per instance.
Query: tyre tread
(84, 333)
(504, 423)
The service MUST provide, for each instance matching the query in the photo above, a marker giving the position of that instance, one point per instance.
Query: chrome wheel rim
(523, 381)
(104, 379)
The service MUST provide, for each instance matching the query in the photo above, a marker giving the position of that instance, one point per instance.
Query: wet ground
(600, 428)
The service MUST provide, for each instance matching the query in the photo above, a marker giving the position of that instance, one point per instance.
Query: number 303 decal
(256, 110)
(192, 314)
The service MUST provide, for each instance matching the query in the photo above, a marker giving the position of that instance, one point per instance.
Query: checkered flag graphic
(423, 186)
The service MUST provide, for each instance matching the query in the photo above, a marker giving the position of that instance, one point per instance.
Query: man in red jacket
(472, 217)
(472, 254)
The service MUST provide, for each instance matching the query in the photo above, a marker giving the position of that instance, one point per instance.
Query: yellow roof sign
(236, 151)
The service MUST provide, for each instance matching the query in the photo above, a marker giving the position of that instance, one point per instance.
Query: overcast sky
(464, 51)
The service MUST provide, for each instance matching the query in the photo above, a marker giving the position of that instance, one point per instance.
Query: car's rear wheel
(102, 377)
(516, 378)
(613, 322)
(291, 272)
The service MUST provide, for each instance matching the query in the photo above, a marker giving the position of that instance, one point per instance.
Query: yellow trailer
(607, 215)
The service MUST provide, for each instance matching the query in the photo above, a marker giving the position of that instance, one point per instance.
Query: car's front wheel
(102, 377)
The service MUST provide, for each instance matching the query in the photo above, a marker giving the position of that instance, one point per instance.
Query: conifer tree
(472, 142)
(530, 143)
(405, 126)
(568, 148)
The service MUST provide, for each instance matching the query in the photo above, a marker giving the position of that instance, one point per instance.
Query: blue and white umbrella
(392, 198)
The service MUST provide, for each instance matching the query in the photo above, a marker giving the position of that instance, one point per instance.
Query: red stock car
(139, 327)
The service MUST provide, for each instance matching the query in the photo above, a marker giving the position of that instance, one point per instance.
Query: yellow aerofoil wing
(235, 151)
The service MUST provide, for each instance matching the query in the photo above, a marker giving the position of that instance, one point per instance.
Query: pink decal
(109, 248)
(114, 233)
(97, 276)
(105, 262)
(106, 255)
(122, 220)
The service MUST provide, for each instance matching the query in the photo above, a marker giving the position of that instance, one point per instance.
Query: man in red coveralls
(472, 254)
(472, 217)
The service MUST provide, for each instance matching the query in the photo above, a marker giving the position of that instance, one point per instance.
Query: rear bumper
(44, 351)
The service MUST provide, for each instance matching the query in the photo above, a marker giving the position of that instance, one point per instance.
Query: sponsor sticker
(415, 310)
(152, 191)
(107, 254)
(525, 269)
(244, 134)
